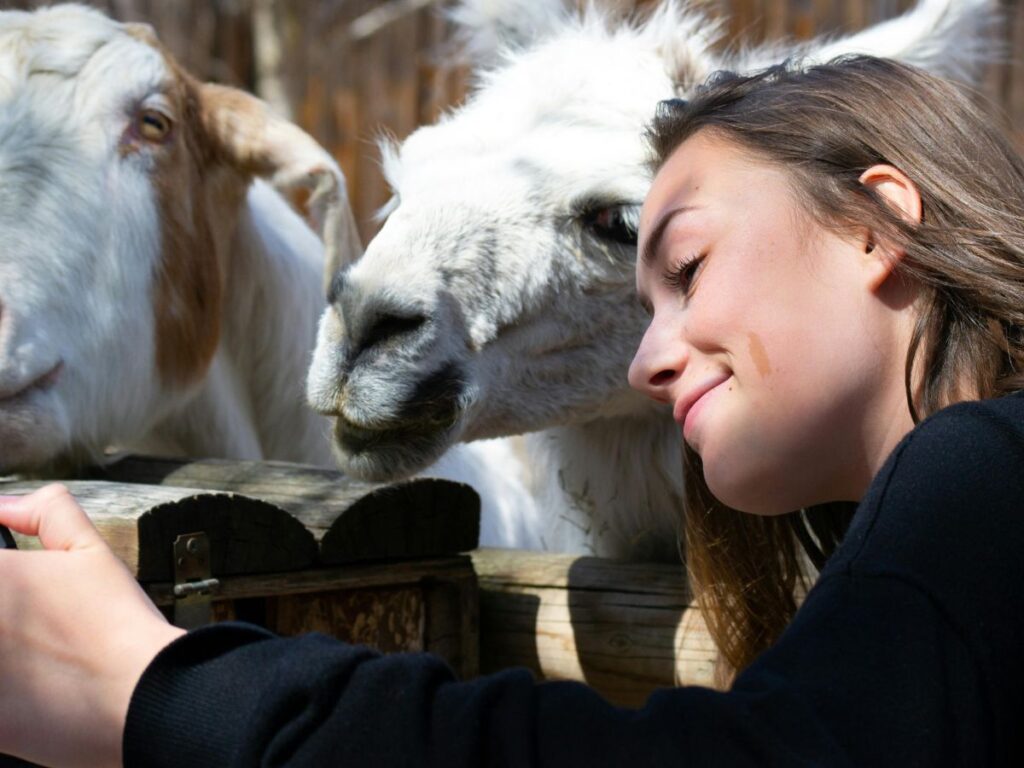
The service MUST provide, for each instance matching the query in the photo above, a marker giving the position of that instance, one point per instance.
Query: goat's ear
(487, 28)
(246, 134)
(953, 38)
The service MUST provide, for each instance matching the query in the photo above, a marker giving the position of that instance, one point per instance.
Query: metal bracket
(193, 585)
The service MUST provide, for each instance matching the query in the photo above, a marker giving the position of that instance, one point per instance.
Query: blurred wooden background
(350, 70)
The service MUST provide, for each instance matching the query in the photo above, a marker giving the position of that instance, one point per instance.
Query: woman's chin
(747, 491)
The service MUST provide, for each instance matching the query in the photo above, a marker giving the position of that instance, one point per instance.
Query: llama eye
(617, 223)
(153, 126)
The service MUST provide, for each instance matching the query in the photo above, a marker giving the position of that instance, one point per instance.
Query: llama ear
(487, 28)
(953, 38)
(246, 135)
(684, 37)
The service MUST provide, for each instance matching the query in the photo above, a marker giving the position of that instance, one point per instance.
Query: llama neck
(252, 403)
(612, 487)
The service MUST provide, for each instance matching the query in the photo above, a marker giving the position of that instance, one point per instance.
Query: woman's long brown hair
(825, 125)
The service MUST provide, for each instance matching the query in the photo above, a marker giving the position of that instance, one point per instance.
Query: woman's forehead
(707, 156)
(706, 170)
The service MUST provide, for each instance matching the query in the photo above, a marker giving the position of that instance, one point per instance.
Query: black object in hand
(6, 540)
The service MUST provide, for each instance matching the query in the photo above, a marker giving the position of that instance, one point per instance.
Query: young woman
(834, 263)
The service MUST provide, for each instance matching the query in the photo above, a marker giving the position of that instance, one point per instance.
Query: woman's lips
(687, 407)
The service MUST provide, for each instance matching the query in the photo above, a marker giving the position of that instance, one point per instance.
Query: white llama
(498, 297)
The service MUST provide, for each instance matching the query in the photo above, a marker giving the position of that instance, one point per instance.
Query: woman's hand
(76, 633)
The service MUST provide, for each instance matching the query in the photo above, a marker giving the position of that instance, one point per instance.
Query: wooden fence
(352, 70)
(298, 549)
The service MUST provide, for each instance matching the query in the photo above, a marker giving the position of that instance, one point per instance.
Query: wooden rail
(294, 549)
(626, 629)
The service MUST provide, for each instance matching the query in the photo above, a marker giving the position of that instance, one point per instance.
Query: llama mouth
(420, 423)
(406, 437)
(38, 384)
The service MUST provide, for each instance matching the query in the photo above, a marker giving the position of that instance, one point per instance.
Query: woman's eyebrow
(650, 250)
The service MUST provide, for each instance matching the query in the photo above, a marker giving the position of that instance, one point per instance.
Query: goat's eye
(153, 125)
(617, 223)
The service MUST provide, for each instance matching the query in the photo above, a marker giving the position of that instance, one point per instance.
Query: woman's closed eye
(680, 277)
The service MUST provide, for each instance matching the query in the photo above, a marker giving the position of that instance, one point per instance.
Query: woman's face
(770, 337)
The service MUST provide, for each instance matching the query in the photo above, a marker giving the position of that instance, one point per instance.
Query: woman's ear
(902, 196)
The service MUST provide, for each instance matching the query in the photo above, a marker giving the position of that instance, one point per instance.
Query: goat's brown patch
(198, 206)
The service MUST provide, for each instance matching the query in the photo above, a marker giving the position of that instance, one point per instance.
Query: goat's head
(498, 296)
(121, 180)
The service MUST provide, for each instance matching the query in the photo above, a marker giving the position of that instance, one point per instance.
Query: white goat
(150, 295)
(498, 296)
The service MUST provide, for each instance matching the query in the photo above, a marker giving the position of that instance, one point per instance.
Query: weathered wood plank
(140, 522)
(264, 517)
(624, 628)
(353, 521)
(386, 619)
(452, 628)
(430, 605)
(419, 518)
(324, 579)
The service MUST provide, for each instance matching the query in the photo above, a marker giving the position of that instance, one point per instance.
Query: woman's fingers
(76, 633)
(51, 514)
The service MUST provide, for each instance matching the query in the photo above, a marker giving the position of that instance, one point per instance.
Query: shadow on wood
(626, 629)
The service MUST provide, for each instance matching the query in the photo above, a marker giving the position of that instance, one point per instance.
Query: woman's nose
(658, 363)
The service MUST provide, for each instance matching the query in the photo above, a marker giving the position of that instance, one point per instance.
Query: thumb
(52, 514)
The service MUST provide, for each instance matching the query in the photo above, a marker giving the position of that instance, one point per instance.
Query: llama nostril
(390, 326)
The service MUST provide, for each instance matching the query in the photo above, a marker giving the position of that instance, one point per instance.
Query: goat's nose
(387, 326)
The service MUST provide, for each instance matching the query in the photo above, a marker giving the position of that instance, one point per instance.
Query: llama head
(121, 180)
(498, 297)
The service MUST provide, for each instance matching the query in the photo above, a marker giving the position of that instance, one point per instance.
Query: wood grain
(624, 628)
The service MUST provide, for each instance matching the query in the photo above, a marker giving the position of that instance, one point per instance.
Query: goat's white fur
(81, 224)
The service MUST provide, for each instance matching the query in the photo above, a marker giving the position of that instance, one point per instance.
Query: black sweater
(909, 650)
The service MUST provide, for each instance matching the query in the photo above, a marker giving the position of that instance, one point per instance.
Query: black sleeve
(905, 653)
(835, 693)
(946, 515)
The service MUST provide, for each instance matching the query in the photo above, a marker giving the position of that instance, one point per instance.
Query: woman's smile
(689, 407)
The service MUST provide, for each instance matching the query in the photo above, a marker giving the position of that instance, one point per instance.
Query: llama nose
(370, 318)
(388, 326)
